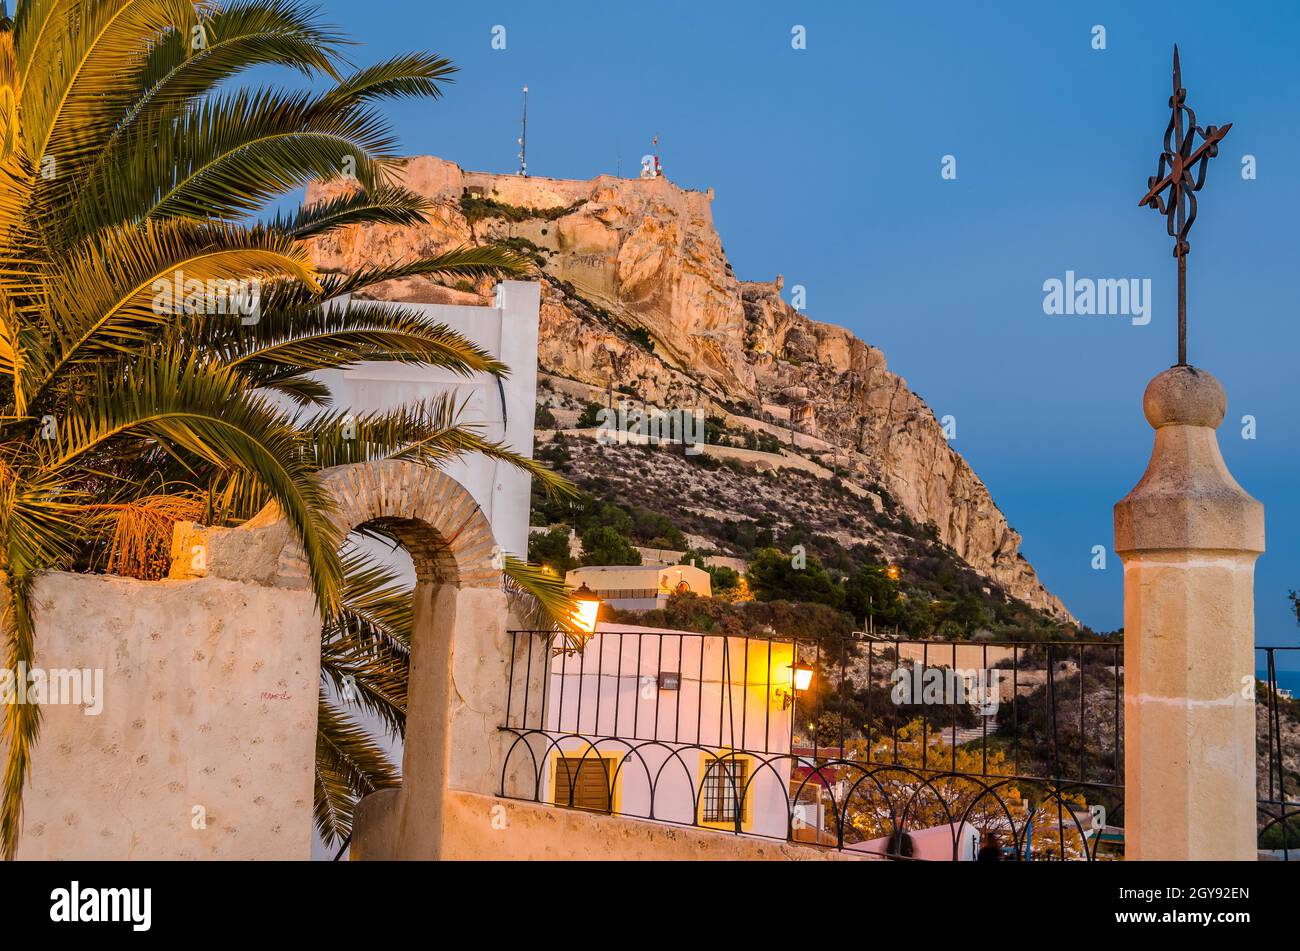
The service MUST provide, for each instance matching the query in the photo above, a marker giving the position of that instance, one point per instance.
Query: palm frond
(114, 293)
(35, 21)
(491, 260)
(349, 765)
(235, 38)
(370, 674)
(9, 339)
(201, 408)
(42, 518)
(10, 96)
(22, 721)
(69, 111)
(341, 334)
(387, 204)
(427, 432)
(376, 599)
(234, 496)
(366, 644)
(548, 600)
(299, 387)
(227, 155)
(409, 75)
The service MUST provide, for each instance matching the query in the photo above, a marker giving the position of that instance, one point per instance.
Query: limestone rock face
(639, 294)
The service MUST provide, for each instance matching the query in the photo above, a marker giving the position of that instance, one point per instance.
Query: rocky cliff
(639, 297)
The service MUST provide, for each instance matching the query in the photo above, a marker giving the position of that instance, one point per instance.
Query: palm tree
(126, 167)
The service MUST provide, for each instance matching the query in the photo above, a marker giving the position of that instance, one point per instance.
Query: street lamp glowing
(586, 609)
(893, 572)
(800, 679)
(801, 676)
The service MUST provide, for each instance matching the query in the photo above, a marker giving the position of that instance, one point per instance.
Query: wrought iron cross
(1182, 171)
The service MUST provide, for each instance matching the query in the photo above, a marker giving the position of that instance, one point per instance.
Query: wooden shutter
(587, 780)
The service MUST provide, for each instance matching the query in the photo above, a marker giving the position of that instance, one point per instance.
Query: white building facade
(641, 587)
(671, 726)
(503, 410)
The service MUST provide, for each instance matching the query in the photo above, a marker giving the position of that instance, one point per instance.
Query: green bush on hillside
(605, 545)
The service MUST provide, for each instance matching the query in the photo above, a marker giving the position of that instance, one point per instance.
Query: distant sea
(1286, 679)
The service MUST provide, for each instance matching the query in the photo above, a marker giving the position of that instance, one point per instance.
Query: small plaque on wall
(670, 680)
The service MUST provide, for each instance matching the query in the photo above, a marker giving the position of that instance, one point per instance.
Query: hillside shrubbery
(934, 593)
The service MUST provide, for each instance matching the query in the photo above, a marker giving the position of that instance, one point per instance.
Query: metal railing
(1279, 775)
(889, 751)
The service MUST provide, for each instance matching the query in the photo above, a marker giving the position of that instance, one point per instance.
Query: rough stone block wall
(206, 741)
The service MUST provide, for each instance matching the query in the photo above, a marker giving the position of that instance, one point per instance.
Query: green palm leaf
(467, 261)
(428, 432)
(341, 334)
(103, 300)
(349, 764)
(201, 408)
(228, 155)
(410, 75)
(69, 111)
(366, 644)
(548, 599)
(300, 388)
(245, 34)
(387, 204)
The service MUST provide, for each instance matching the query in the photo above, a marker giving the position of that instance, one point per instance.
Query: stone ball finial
(1184, 396)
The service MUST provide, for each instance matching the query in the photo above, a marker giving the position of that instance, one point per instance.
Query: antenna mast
(523, 139)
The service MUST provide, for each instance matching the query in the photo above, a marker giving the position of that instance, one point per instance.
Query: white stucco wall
(207, 734)
(504, 410)
(727, 700)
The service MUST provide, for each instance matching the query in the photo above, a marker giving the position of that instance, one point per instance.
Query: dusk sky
(827, 167)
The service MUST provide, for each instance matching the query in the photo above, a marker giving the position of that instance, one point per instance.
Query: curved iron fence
(1016, 750)
(872, 808)
(881, 753)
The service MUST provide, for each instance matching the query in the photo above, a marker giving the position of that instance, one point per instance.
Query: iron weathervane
(1182, 171)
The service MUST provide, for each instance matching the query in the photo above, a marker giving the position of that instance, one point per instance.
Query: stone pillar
(427, 751)
(460, 669)
(1188, 535)
(480, 676)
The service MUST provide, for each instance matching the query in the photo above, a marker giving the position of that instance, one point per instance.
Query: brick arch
(436, 519)
(461, 650)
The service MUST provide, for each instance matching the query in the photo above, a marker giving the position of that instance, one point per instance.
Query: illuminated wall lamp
(800, 679)
(586, 609)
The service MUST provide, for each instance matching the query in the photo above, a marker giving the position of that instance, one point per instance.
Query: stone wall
(487, 827)
(205, 745)
(206, 739)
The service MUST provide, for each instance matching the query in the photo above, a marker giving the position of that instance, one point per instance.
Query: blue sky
(826, 164)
